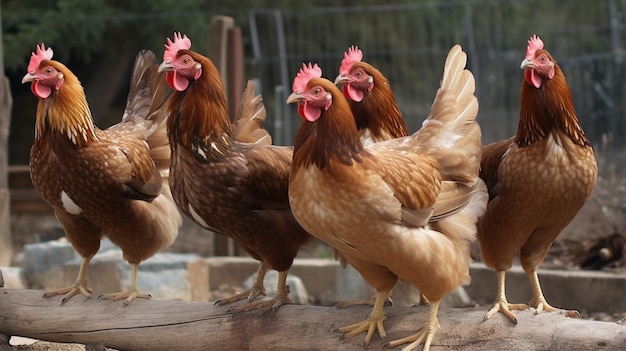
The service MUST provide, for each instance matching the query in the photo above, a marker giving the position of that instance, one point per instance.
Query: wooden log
(175, 325)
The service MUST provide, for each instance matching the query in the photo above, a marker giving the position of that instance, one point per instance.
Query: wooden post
(6, 102)
(217, 51)
(234, 71)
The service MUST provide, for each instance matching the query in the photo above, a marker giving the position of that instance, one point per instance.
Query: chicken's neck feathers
(66, 112)
(548, 108)
(379, 111)
(332, 137)
(199, 115)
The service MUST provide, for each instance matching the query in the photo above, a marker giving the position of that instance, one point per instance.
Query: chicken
(537, 179)
(375, 110)
(232, 188)
(371, 99)
(109, 182)
(404, 208)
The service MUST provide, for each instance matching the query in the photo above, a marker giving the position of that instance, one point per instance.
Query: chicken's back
(243, 195)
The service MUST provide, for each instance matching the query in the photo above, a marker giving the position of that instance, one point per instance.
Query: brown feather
(378, 112)
(248, 125)
(538, 179)
(108, 175)
(232, 187)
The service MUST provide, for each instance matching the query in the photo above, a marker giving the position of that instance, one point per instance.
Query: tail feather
(461, 225)
(145, 115)
(248, 125)
(451, 131)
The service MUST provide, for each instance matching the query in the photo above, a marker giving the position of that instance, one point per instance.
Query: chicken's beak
(164, 66)
(527, 64)
(341, 79)
(28, 78)
(294, 97)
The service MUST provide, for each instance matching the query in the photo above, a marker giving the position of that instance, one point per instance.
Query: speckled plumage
(404, 208)
(105, 182)
(538, 179)
(233, 188)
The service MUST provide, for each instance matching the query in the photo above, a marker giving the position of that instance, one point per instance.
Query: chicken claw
(132, 293)
(281, 298)
(79, 286)
(374, 322)
(75, 289)
(129, 295)
(539, 301)
(424, 335)
(255, 291)
(362, 302)
(542, 305)
(505, 308)
(501, 304)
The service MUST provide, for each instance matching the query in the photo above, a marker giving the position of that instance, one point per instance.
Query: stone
(13, 278)
(43, 263)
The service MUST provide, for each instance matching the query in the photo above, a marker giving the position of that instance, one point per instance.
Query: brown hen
(538, 179)
(404, 208)
(230, 187)
(109, 182)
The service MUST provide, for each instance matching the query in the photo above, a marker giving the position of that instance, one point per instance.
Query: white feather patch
(69, 205)
(196, 217)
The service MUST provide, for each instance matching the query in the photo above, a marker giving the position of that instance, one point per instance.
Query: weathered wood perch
(175, 325)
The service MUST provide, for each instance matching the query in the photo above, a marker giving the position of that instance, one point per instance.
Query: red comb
(534, 44)
(172, 47)
(41, 55)
(350, 57)
(306, 73)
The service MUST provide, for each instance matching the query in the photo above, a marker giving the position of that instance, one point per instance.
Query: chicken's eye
(359, 74)
(317, 91)
(48, 71)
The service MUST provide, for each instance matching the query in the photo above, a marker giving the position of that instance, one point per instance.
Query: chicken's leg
(501, 304)
(424, 335)
(257, 288)
(539, 301)
(281, 298)
(132, 293)
(374, 322)
(79, 286)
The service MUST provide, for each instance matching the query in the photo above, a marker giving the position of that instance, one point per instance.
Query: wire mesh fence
(408, 43)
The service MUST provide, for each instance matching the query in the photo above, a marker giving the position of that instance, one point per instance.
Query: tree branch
(175, 325)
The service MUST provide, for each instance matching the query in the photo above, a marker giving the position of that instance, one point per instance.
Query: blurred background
(407, 41)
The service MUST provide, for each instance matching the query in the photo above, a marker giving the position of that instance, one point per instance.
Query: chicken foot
(362, 302)
(374, 322)
(256, 290)
(281, 298)
(424, 335)
(132, 293)
(539, 301)
(79, 286)
(501, 304)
